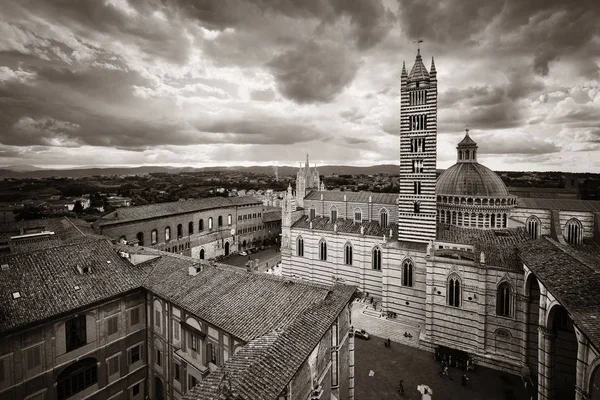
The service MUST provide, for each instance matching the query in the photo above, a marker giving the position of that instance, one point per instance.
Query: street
(270, 256)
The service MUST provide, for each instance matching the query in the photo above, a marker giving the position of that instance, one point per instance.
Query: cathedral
(510, 282)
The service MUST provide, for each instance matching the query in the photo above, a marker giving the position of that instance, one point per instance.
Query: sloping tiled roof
(574, 283)
(560, 204)
(126, 214)
(264, 366)
(244, 304)
(418, 71)
(499, 247)
(372, 228)
(66, 230)
(271, 215)
(353, 197)
(46, 280)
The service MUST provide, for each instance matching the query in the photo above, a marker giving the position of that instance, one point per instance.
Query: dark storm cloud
(314, 72)
(545, 29)
(491, 106)
(498, 145)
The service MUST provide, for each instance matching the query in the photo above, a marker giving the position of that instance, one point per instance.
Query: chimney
(194, 269)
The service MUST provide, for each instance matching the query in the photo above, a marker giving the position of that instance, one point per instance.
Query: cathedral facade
(455, 258)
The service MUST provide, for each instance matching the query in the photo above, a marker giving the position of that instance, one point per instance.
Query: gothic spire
(432, 69)
(404, 73)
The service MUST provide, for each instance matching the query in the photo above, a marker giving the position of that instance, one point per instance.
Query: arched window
(154, 236)
(333, 214)
(140, 238)
(504, 301)
(191, 228)
(357, 215)
(220, 221)
(348, 254)
(202, 254)
(533, 227)
(417, 207)
(323, 250)
(454, 291)
(383, 218)
(573, 233)
(179, 231)
(210, 223)
(407, 273)
(376, 259)
(76, 378)
(200, 225)
(300, 247)
(229, 219)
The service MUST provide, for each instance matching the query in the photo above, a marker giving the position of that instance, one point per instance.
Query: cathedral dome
(470, 179)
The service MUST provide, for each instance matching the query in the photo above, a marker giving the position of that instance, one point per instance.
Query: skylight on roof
(16, 295)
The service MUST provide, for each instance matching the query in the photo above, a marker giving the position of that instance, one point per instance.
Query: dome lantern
(467, 149)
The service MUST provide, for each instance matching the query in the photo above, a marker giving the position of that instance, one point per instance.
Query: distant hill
(22, 168)
(14, 172)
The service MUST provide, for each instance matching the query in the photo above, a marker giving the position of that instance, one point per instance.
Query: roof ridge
(74, 226)
(60, 244)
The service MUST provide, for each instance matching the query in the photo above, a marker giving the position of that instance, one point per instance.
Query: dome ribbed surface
(470, 179)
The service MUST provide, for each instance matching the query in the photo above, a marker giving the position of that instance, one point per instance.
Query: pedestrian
(389, 343)
(465, 379)
(401, 386)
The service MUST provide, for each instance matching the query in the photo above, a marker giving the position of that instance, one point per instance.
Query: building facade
(452, 262)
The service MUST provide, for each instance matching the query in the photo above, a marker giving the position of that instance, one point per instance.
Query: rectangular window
(357, 216)
(417, 207)
(211, 353)
(176, 372)
(113, 365)
(417, 166)
(2, 369)
(417, 187)
(176, 330)
(75, 330)
(194, 342)
(135, 390)
(34, 357)
(158, 358)
(112, 325)
(157, 318)
(134, 316)
(134, 354)
(313, 213)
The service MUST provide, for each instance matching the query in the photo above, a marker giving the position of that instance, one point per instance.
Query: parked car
(361, 333)
(243, 253)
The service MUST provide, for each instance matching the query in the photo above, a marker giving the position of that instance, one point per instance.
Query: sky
(249, 82)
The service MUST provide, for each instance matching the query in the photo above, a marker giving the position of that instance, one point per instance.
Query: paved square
(418, 367)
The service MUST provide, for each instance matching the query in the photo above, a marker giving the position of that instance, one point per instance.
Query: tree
(78, 207)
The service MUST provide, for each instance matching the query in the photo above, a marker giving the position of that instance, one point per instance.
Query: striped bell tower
(418, 145)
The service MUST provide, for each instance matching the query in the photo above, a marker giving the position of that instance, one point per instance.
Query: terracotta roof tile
(265, 365)
(560, 204)
(574, 282)
(371, 228)
(46, 280)
(354, 197)
(125, 214)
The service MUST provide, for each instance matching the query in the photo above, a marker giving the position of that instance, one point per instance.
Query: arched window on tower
(533, 227)
(407, 273)
(323, 250)
(348, 254)
(573, 232)
(376, 259)
(300, 247)
(504, 302)
(454, 291)
(383, 218)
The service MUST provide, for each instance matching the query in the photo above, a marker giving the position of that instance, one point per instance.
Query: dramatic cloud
(187, 82)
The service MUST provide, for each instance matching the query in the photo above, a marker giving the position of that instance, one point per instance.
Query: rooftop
(247, 305)
(50, 284)
(265, 365)
(272, 215)
(560, 204)
(354, 197)
(572, 280)
(499, 246)
(371, 228)
(176, 207)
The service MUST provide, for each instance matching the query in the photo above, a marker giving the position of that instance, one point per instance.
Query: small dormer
(84, 269)
(194, 269)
